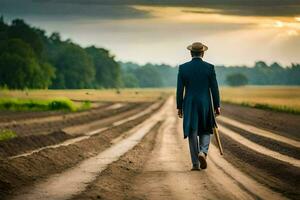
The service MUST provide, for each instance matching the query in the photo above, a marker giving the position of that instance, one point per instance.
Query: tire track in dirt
(251, 186)
(283, 124)
(269, 158)
(40, 116)
(20, 145)
(70, 182)
(93, 132)
(260, 132)
(277, 175)
(45, 125)
(273, 145)
(115, 182)
(259, 148)
(166, 174)
(24, 171)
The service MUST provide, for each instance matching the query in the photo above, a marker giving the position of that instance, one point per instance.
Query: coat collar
(197, 58)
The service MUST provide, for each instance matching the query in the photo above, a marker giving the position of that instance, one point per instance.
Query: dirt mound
(44, 127)
(285, 124)
(277, 146)
(277, 175)
(8, 116)
(115, 182)
(24, 171)
(19, 145)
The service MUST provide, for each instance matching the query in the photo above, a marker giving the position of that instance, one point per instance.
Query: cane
(215, 127)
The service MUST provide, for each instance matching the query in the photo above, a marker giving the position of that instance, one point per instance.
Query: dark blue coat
(195, 79)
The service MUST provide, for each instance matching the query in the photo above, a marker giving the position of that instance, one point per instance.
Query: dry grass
(124, 95)
(278, 98)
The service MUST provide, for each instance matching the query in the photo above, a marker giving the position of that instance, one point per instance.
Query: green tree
(19, 29)
(129, 80)
(148, 76)
(74, 68)
(237, 79)
(20, 69)
(108, 71)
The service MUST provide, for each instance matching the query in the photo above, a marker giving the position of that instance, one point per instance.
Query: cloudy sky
(237, 32)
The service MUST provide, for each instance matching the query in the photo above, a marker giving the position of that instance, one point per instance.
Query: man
(197, 80)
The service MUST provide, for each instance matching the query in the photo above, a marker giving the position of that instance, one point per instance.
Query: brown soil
(19, 145)
(8, 116)
(116, 181)
(277, 146)
(39, 128)
(159, 166)
(277, 175)
(24, 171)
(162, 172)
(282, 123)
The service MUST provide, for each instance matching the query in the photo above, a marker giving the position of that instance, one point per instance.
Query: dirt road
(166, 174)
(144, 156)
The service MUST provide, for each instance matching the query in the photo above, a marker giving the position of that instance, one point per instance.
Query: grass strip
(41, 105)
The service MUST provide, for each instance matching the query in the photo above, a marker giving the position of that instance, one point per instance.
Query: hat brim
(190, 47)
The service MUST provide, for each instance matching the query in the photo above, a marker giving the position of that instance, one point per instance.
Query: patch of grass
(37, 105)
(62, 105)
(7, 135)
(85, 105)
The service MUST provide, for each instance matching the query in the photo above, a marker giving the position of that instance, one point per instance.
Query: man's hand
(180, 113)
(218, 111)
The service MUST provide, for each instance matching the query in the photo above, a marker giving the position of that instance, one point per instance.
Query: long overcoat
(194, 82)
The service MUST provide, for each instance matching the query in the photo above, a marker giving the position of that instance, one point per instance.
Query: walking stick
(215, 127)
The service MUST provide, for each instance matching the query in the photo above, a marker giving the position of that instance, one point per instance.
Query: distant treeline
(262, 74)
(31, 59)
(150, 75)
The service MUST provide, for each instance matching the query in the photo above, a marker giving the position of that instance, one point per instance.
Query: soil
(8, 116)
(115, 181)
(277, 175)
(24, 171)
(285, 124)
(24, 144)
(159, 166)
(42, 126)
(162, 171)
(19, 145)
(280, 147)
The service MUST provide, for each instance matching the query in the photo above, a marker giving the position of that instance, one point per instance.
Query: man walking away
(196, 79)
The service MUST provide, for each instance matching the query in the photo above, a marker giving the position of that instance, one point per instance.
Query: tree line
(31, 59)
(259, 74)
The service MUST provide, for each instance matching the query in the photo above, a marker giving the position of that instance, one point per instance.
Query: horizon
(135, 31)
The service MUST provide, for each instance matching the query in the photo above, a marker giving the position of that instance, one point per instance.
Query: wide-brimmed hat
(197, 47)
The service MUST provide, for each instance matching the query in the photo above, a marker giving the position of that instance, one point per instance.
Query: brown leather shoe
(202, 160)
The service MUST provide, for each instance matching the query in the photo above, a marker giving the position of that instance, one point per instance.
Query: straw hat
(197, 47)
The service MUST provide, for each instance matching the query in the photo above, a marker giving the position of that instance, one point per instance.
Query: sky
(237, 32)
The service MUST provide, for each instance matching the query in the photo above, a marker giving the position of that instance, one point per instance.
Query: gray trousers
(198, 144)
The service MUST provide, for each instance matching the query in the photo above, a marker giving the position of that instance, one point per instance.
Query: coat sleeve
(214, 88)
(180, 88)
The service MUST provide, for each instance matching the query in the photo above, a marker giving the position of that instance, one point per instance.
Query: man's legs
(197, 146)
(204, 140)
(194, 148)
